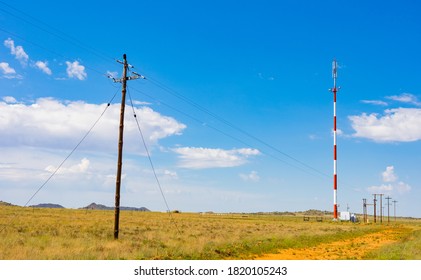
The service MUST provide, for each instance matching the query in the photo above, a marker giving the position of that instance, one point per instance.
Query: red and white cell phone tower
(335, 175)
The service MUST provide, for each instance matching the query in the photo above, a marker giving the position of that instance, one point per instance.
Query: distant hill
(47, 205)
(95, 206)
(4, 203)
(315, 212)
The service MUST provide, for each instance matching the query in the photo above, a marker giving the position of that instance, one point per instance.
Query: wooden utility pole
(120, 150)
(394, 208)
(388, 213)
(381, 208)
(123, 81)
(365, 218)
(374, 203)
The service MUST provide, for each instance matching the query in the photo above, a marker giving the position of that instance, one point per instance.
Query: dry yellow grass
(88, 234)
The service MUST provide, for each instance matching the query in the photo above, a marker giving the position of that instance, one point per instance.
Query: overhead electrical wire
(63, 36)
(73, 150)
(151, 162)
(248, 134)
(220, 131)
(49, 50)
(68, 155)
(70, 39)
(53, 31)
(233, 126)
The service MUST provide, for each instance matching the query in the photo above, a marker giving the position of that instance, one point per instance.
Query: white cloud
(81, 167)
(393, 186)
(75, 70)
(389, 175)
(170, 174)
(137, 102)
(251, 177)
(8, 72)
(395, 125)
(375, 102)
(17, 51)
(6, 69)
(385, 189)
(201, 158)
(112, 74)
(51, 123)
(43, 66)
(405, 98)
(339, 132)
(402, 187)
(9, 99)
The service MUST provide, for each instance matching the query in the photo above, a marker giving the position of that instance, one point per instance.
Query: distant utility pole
(394, 206)
(388, 213)
(374, 203)
(365, 218)
(381, 208)
(123, 81)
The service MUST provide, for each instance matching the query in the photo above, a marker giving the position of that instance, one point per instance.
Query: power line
(72, 151)
(222, 132)
(203, 109)
(151, 163)
(53, 31)
(68, 156)
(69, 39)
(63, 36)
(49, 50)
(233, 126)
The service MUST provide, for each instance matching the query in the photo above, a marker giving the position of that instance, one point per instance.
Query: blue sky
(235, 109)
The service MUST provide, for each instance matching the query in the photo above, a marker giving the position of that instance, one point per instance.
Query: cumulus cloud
(251, 177)
(75, 70)
(201, 158)
(389, 175)
(395, 125)
(43, 66)
(17, 51)
(390, 183)
(50, 123)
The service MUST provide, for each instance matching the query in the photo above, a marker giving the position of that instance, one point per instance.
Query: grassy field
(67, 234)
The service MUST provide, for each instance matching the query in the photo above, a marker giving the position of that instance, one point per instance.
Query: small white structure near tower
(348, 216)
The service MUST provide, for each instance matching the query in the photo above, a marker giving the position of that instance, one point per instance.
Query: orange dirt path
(354, 248)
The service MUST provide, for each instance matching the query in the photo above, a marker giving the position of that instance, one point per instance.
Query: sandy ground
(353, 249)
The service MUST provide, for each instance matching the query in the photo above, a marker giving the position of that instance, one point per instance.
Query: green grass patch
(407, 248)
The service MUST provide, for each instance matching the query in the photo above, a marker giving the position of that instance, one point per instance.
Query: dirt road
(354, 249)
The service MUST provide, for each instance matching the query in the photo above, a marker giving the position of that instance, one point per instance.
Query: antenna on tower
(334, 69)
